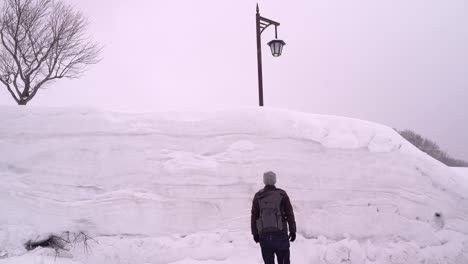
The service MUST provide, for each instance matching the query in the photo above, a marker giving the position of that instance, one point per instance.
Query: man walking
(272, 213)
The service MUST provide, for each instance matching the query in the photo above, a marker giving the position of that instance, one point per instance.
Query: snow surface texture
(177, 188)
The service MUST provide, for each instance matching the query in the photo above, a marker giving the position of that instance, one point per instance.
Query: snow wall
(181, 183)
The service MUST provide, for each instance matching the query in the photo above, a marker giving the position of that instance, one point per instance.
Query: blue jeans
(275, 244)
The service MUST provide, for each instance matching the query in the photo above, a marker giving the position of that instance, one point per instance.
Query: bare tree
(41, 41)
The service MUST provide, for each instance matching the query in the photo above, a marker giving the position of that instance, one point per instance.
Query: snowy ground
(462, 171)
(177, 188)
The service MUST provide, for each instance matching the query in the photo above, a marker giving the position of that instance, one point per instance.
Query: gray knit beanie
(269, 178)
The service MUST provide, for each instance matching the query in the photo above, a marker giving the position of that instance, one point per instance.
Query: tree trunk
(22, 102)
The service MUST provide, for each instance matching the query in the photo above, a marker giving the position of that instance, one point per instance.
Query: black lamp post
(276, 47)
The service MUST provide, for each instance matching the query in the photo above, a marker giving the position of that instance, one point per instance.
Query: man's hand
(256, 238)
(292, 237)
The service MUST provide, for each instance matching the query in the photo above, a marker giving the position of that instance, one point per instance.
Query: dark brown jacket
(285, 207)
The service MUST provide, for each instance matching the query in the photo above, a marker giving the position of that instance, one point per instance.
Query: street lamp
(276, 47)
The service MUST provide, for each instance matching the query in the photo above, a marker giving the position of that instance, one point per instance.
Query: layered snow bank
(177, 187)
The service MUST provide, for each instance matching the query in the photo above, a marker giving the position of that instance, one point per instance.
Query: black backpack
(271, 218)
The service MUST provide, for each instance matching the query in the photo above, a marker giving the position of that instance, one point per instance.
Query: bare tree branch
(42, 41)
(9, 90)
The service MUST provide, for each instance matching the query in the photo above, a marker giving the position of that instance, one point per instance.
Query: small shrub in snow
(62, 243)
(55, 242)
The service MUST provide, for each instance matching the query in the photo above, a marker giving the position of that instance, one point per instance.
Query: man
(272, 213)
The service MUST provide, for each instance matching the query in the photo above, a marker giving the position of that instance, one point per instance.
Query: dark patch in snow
(52, 241)
(17, 170)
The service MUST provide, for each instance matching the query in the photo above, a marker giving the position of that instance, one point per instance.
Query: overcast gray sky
(403, 63)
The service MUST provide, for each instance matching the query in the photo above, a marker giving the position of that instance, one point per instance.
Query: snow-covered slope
(177, 187)
(462, 171)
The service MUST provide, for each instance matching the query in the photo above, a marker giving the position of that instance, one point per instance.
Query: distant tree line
(431, 148)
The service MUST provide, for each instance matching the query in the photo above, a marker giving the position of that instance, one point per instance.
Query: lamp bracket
(265, 22)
